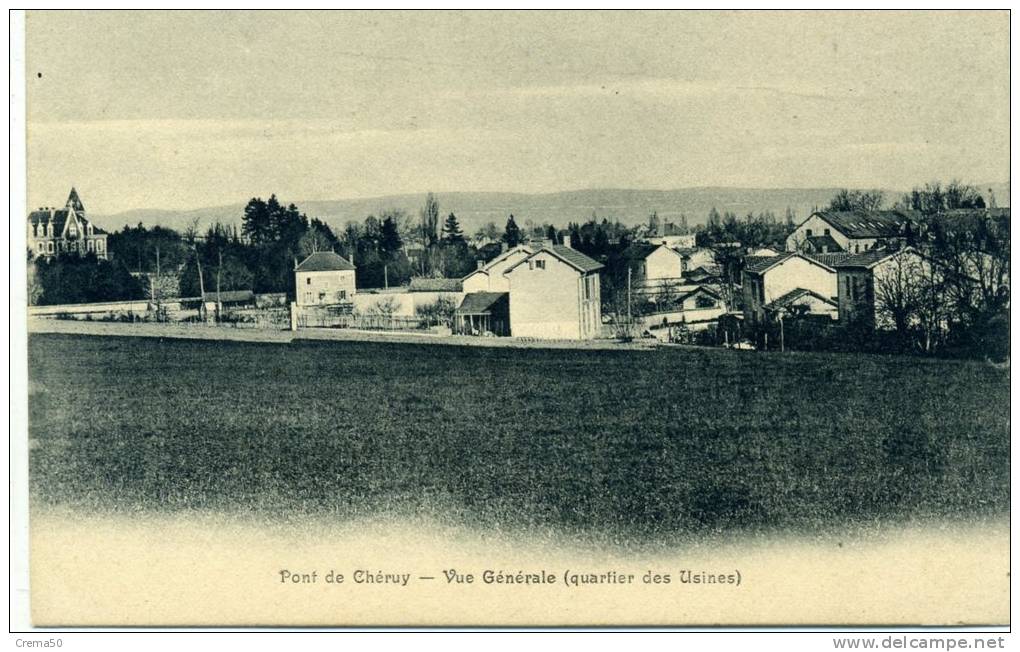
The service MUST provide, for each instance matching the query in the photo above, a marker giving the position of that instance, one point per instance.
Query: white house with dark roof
(770, 279)
(324, 278)
(555, 293)
(53, 231)
(850, 231)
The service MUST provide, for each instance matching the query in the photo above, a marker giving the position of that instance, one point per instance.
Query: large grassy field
(629, 442)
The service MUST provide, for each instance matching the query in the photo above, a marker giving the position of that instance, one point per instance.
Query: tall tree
(430, 221)
(389, 234)
(451, 229)
(512, 233)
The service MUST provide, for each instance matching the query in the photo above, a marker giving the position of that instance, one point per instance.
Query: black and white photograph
(513, 319)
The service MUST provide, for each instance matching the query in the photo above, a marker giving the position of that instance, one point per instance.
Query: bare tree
(857, 200)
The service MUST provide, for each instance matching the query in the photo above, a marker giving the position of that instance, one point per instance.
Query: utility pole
(201, 286)
(629, 324)
(782, 335)
(219, 299)
(386, 276)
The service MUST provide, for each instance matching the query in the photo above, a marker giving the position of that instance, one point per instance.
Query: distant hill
(474, 209)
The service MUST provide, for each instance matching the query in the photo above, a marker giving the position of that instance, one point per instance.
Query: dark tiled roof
(43, 218)
(230, 296)
(794, 295)
(436, 285)
(868, 224)
(823, 243)
(757, 264)
(480, 303)
(829, 260)
(575, 258)
(324, 261)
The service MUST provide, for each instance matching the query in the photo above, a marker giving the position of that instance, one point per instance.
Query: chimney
(480, 263)
(502, 247)
(547, 242)
(566, 240)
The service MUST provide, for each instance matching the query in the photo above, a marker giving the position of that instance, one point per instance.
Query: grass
(630, 442)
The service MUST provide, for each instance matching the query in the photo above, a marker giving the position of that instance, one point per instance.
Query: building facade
(773, 278)
(53, 231)
(555, 293)
(852, 232)
(324, 278)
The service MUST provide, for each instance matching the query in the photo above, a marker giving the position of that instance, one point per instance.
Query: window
(308, 280)
(809, 233)
(857, 248)
(540, 264)
(827, 232)
(587, 288)
(49, 247)
(100, 245)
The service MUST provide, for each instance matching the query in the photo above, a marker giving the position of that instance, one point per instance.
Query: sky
(183, 110)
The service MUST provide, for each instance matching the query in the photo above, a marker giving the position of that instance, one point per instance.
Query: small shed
(484, 312)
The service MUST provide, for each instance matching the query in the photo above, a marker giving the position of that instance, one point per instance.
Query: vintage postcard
(526, 319)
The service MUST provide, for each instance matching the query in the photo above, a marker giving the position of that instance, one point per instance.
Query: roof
(791, 297)
(829, 259)
(758, 264)
(229, 296)
(324, 261)
(871, 258)
(823, 243)
(701, 288)
(74, 201)
(761, 264)
(436, 285)
(568, 255)
(43, 217)
(705, 270)
(574, 258)
(480, 303)
(868, 224)
(501, 257)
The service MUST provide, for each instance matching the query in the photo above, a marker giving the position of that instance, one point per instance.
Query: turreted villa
(53, 231)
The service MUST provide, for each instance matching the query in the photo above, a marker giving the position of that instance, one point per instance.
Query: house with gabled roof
(766, 280)
(555, 293)
(324, 278)
(489, 276)
(851, 231)
(868, 280)
(53, 231)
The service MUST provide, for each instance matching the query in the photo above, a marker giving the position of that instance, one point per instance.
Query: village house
(668, 234)
(555, 294)
(53, 231)
(768, 284)
(489, 276)
(850, 231)
(878, 277)
(653, 267)
(324, 278)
